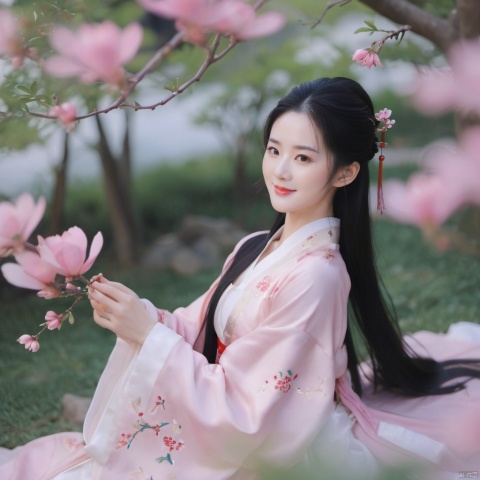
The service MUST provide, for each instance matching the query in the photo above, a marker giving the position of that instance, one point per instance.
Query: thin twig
(391, 34)
(159, 56)
(331, 4)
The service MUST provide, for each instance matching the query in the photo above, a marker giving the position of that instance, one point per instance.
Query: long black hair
(343, 113)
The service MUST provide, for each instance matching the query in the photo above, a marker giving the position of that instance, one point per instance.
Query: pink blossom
(31, 343)
(428, 199)
(237, 18)
(11, 41)
(53, 320)
(68, 252)
(18, 220)
(456, 88)
(228, 17)
(368, 58)
(94, 52)
(459, 167)
(425, 200)
(32, 272)
(66, 114)
(383, 114)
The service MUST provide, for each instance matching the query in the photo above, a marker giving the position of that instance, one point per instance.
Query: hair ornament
(383, 116)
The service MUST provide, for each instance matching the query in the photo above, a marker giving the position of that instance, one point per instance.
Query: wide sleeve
(187, 321)
(173, 413)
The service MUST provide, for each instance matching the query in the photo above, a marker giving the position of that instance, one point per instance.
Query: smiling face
(296, 170)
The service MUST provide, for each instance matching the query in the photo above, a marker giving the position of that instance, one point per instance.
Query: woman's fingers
(100, 308)
(101, 321)
(107, 291)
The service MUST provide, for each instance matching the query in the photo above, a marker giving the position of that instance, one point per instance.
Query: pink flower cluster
(66, 114)
(384, 117)
(367, 58)
(234, 18)
(39, 268)
(12, 42)
(450, 181)
(94, 52)
(455, 88)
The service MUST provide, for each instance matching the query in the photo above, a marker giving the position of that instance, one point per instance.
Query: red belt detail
(220, 349)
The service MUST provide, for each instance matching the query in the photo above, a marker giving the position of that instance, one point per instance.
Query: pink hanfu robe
(275, 399)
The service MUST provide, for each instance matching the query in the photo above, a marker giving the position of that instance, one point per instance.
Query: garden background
(210, 164)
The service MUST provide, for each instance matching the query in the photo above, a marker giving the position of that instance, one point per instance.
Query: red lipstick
(282, 191)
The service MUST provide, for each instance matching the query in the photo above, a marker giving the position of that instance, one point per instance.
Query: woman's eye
(303, 158)
(272, 150)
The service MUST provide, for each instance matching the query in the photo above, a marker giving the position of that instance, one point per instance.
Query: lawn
(429, 289)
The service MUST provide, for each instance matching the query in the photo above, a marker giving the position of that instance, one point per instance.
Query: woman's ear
(346, 175)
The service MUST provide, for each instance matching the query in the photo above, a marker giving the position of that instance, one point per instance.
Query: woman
(257, 374)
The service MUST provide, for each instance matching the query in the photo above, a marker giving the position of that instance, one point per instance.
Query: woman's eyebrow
(297, 147)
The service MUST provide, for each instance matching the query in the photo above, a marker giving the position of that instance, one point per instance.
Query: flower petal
(130, 41)
(34, 218)
(262, 26)
(97, 244)
(15, 275)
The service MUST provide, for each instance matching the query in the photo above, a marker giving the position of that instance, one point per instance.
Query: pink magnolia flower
(227, 17)
(367, 58)
(424, 201)
(68, 252)
(11, 40)
(459, 168)
(456, 88)
(53, 320)
(32, 272)
(18, 220)
(240, 19)
(94, 52)
(66, 114)
(31, 343)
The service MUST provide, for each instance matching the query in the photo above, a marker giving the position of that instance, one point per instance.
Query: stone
(186, 262)
(160, 254)
(208, 250)
(74, 408)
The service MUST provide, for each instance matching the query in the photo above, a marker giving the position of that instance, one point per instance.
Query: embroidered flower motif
(143, 424)
(328, 254)
(71, 444)
(160, 402)
(308, 241)
(176, 427)
(264, 283)
(124, 440)
(309, 392)
(136, 405)
(172, 444)
(281, 382)
(141, 475)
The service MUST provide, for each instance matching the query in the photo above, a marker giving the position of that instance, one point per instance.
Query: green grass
(430, 290)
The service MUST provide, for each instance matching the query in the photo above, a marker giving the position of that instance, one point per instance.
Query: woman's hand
(119, 309)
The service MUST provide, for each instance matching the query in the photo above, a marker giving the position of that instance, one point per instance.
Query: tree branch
(440, 32)
(210, 58)
(468, 14)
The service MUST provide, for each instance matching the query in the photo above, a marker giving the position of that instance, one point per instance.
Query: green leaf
(370, 24)
(71, 318)
(363, 29)
(25, 89)
(34, 87)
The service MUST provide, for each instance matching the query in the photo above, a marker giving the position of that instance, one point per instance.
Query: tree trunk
(240, 178)
(59, 194)
(119, 205)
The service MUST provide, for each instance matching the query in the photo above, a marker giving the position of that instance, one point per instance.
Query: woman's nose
(282, 170)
